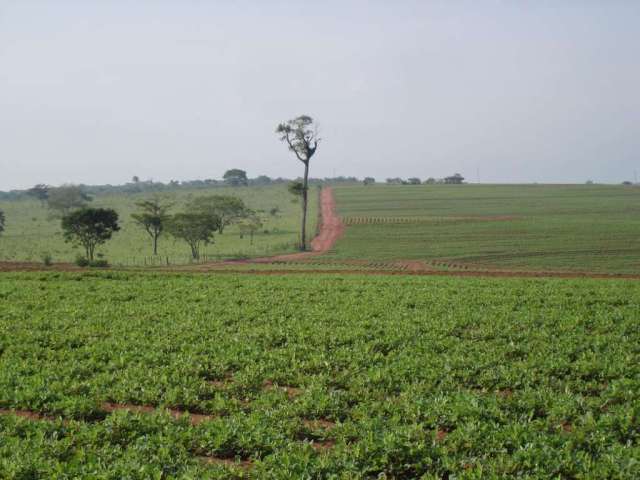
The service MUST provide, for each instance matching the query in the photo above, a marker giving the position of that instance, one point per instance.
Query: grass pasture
(522, 227)
(31, 232)
(318, 377)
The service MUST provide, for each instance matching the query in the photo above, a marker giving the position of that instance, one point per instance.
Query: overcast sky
(521, 91)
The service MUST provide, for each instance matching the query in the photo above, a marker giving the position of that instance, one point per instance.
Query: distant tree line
(41, 192)
(455, 179)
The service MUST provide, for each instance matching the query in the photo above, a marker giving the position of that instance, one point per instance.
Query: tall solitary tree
(236, 177)
(301, 137)
(90, 227)
(153, 217)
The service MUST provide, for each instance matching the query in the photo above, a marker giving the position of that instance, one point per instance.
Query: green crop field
(326, 376)
(31, 232)
(528, 227)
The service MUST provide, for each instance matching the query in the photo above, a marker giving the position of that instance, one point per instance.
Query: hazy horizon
(517, 92)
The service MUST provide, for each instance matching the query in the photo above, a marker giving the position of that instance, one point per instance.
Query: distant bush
(84, 262)
(47, 259)
(81, 261)
(102, 263)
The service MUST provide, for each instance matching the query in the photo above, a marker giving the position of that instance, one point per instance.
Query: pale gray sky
(538, 90)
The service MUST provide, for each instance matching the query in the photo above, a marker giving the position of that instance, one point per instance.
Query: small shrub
(47, 259)
(82, 261)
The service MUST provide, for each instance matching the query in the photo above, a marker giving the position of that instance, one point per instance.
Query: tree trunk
(155, 245)
(305, 188)
(195, 253)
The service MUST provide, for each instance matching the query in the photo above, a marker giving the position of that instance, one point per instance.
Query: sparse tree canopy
(236, 177)
(301, 136)
(430, 181)
(194, 228)
(67, 198)
(455, 179)
(135, 179)
(39, 192)
(413, 181)
(153, 217)
(250, 225)
(296, 188)
(369, 181)
(227, 208)
(90, 227)
(394, 181)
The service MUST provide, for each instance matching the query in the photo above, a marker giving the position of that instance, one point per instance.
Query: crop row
(318, 377)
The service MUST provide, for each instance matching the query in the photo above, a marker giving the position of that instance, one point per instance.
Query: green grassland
(406, 377)
(535, 227)
(31, 232)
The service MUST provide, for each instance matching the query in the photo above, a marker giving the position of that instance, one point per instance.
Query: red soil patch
(566, 427)
(292, 392)
(505, 393)
(194, 418)
(27, 414)
(37, 267)
(414, 266)
(322, 445)
(441, 435)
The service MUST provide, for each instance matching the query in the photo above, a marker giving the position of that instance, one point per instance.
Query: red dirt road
(331, 229)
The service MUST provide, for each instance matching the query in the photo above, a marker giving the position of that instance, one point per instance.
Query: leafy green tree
(369, 181)
(194, 228)
(250, 224)
(227, 208)
(67, 198)
(39, 192)
(301, 136)
(153, 217)
(89, 227)
(455, 179)
(414, 181)
(236, 177)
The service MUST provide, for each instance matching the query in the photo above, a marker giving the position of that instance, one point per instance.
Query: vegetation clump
(90, 227)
